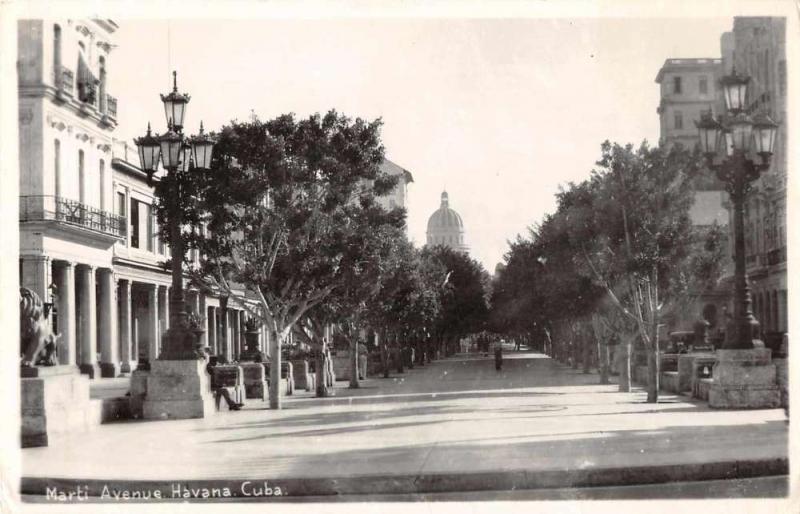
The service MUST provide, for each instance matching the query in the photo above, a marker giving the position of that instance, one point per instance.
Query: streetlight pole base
(744, 379)
(178, 389)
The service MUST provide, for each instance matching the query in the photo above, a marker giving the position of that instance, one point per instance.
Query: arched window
(57, 167)
(81, 178)
(102, 185)
(57, 53)
(103, 84)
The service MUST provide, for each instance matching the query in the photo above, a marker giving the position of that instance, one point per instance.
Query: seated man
(213, 361)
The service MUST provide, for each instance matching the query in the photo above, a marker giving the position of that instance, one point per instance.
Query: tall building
(88, 239)
(689, 88)
(446, 228)
(759, 51)
(398, 197)
(67, 229)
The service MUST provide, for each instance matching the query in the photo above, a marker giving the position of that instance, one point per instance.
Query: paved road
(456, 416)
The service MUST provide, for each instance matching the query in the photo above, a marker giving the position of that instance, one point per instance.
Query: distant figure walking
(498, 355)
(517, 345)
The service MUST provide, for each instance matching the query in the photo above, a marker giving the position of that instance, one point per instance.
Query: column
(203, 311)
(65, 283)
(153, 332)
(237, 327)
(87, 321)
(225, 332)
(166, 307)
(107, 324)
(37, 275)
(125, 327)
(211, 322)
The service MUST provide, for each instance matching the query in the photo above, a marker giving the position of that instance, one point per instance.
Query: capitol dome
(445, 227)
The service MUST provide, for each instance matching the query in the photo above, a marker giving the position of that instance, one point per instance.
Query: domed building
(446, 228)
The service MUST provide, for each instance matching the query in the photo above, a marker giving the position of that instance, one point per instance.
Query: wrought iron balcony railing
(70, 212)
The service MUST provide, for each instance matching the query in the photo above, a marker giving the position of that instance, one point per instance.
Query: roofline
(692, 62)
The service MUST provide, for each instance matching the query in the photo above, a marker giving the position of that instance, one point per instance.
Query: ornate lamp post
(738, 135)
(179, 157)
(177, 384)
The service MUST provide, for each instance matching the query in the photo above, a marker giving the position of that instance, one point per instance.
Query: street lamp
(175, 152)
(741, 135)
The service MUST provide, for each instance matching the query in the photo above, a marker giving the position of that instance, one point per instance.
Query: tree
(409, 299)
(465, 295)
(288, 202)
(642, 210)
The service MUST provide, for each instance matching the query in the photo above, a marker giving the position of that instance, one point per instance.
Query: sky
(499, 112)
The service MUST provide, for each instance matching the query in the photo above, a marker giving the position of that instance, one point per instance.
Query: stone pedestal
(342, 366)
(178, 389)
(255, 381)
(302, 376)
(744, 379)
(54, 402)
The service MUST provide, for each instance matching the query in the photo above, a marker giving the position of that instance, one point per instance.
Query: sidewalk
(454, 425)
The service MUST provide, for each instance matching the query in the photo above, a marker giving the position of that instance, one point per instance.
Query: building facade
(446, 228)
(88, 240)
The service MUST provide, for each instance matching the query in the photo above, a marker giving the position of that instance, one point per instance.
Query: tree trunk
(275, 344)
(653, 365)
(384, 354)
(354, 382)
(602, 351)
(322, 372)
(652, 374)
(625, 371)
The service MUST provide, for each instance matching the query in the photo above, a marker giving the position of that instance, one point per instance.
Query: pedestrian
(220, 392)
(498, 355)
(516, 345)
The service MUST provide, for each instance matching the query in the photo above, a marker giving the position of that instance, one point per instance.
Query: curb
(205, 490)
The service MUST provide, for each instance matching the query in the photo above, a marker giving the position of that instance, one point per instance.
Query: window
(678, 120)
(121, 211)
(81, 178)
(102, 185)
(148, 219)
(134, 223)
(57, 166)
(676, 85)
(703, 85)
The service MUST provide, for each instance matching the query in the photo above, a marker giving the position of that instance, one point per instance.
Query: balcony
(64, 80)
(776, 256)
(71, 213)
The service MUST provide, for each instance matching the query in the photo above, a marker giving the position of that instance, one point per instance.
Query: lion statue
(38, 343)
